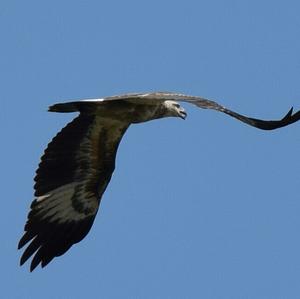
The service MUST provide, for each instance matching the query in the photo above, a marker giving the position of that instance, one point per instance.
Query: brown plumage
(78, 164)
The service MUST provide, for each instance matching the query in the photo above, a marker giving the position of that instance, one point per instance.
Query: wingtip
(32, 267)
(291, 118)
(21, 243)
(289, 114)
(22, 260)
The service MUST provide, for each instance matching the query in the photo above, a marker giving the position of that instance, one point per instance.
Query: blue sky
(202, 208)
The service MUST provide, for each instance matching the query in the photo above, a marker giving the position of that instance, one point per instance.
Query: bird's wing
(73, 174)
(288, 119)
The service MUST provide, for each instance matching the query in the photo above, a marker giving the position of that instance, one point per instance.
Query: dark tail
(65, 107)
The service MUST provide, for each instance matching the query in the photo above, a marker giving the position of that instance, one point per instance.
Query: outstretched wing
(288, 119)
(72, 176)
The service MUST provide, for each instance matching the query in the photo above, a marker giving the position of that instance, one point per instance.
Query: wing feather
(72, 176)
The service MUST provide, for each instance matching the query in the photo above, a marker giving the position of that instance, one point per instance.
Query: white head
(174, 109)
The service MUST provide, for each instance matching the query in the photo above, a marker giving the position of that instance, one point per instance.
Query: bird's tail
(65, 107)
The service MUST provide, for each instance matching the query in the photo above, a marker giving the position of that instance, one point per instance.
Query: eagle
(78, 164)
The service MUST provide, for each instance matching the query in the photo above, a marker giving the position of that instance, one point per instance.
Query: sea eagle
(79, 161)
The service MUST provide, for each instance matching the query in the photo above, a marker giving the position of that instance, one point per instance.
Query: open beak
(182, 114)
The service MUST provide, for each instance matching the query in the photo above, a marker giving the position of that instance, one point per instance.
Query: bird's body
(79, 162)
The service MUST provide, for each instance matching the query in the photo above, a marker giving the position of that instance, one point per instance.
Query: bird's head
(174, 109)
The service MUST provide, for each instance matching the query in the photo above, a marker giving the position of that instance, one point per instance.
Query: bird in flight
(79, 161)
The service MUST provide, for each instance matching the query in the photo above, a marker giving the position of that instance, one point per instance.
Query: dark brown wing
(288, 119)
(72, 176)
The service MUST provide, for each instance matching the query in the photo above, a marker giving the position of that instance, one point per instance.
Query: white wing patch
(59, 205)
(41, 198)
(92, 100)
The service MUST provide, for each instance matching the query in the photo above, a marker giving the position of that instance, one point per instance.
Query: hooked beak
(182, 114)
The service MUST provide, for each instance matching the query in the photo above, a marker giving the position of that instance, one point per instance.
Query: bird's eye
(176, 105)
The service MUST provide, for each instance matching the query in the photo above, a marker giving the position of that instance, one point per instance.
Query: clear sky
(202, 208)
